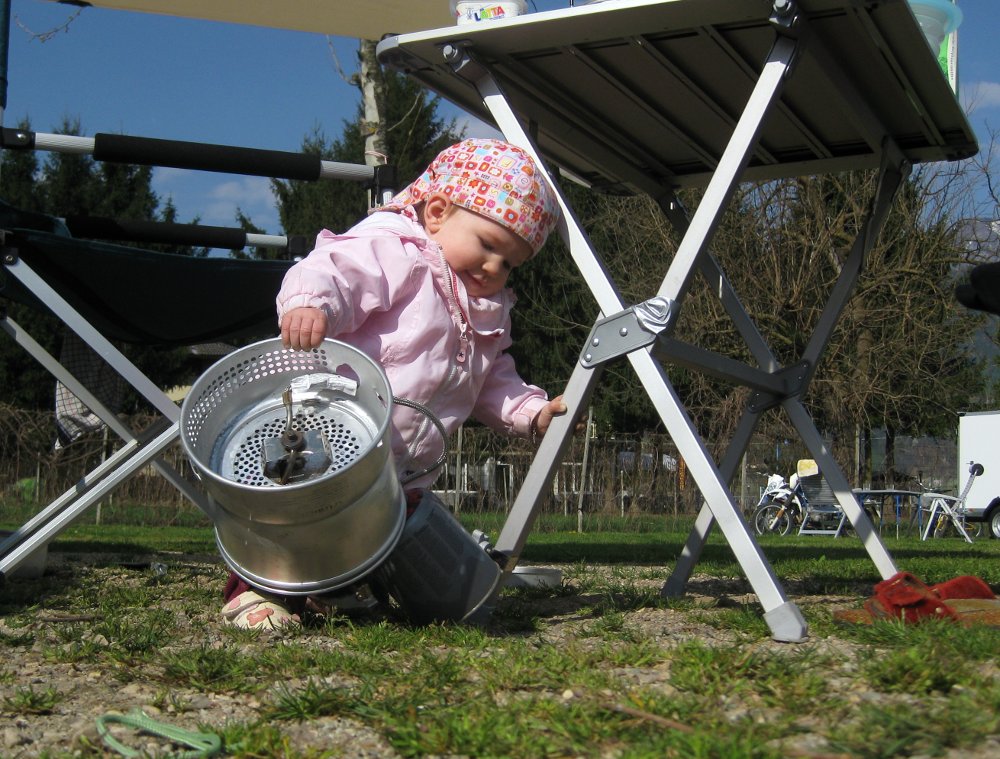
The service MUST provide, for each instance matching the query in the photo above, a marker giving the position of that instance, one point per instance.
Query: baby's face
(482, 252)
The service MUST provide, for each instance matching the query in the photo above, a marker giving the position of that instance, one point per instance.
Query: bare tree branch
(47, 35)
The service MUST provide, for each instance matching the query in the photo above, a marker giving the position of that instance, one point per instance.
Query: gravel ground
(88, 692)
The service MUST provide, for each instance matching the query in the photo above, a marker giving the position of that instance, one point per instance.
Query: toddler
(420, 287)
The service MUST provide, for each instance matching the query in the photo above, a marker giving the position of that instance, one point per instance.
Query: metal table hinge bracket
(634, 328)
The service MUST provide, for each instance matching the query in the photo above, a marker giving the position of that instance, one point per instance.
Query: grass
(602, 666)
(26, 700)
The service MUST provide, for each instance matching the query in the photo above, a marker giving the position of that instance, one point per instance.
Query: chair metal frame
(138, 451)
(952, 508)
(119, 466)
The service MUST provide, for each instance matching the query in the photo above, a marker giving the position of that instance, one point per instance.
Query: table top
(642, 95)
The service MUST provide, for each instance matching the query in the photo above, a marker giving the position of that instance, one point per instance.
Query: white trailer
(979, 443)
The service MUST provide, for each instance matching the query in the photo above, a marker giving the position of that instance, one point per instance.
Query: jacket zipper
(463, 323)
(460, 357)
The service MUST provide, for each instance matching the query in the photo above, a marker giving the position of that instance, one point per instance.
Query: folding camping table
(107, 293)
(649, 96)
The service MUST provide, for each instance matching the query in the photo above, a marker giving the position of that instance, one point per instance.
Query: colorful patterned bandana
(492, 178)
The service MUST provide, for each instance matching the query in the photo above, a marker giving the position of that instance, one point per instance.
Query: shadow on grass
(615, 547)
(99, 546)
(804, 565)
(121, 539)
(660, 548)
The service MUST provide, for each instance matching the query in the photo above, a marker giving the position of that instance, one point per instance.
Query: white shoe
(252, 611)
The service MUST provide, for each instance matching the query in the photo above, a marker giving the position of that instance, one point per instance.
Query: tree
(555, 313)
(24, 381)
(64, 185)
(67, 184)
(18, 173)
(414, 134)
(897, 360)
(900, 357)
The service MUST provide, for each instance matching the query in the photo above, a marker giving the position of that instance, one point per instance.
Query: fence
(615, 475)
(621, 474)
(33, 472)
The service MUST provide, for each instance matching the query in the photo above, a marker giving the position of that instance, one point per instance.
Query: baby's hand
(553, 408)
(303, 328)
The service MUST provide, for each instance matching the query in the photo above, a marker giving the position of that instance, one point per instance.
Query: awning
(367, 19)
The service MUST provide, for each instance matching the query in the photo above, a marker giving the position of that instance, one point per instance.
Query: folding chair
(649, 96)
(105, 292)
(940, 507)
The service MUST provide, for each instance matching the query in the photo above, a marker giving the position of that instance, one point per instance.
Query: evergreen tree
(126, 192)
(555, 313)
(68, 186)
(555, 310)
(18, 174)
(307, 207)
(23, 380)
(415, 134)
(65, 185)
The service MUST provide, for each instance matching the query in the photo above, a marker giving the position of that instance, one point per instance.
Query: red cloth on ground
(907, 598)
(966, 586)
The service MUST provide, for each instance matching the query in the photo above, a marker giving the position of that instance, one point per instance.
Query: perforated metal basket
(294, 450)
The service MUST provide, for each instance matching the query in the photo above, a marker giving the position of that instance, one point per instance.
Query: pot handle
(440, 427)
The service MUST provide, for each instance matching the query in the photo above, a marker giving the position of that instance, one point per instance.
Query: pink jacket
(388, 291)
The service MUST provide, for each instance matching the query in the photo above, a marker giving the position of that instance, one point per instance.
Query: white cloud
(246, 192)
(165, 176)
(251, 195)
(978, 96)
(214, 198)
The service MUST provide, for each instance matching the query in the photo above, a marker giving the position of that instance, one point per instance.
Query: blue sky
(157, 76)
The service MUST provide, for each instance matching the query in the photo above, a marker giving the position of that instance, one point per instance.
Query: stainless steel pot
(294, 450)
